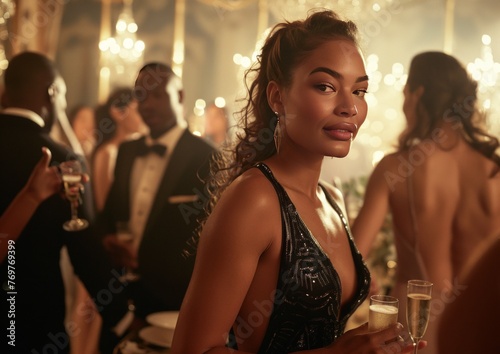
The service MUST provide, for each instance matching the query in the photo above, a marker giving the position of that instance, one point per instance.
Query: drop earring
(277, 133)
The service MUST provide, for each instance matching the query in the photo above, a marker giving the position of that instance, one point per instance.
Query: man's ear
(274, 97)
(173, 87)
(51, 91)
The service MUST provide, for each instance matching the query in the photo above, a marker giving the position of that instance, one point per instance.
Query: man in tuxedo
(158, 188)
(33, 297)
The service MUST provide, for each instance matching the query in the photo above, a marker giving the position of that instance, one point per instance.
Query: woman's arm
(244, 224)
(372, 214)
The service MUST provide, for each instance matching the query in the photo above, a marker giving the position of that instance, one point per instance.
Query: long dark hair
(287, 45)
(450, 95)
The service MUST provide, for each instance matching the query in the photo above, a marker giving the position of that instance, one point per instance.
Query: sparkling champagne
(72, 186)
(418, 310)
(381, 316)
(71, 173)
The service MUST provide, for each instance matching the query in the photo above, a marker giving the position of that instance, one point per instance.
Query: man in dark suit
(158, 188)
(33, 297)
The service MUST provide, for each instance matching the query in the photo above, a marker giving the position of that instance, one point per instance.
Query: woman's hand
(44, 181)
(386, 341)
(120, 253)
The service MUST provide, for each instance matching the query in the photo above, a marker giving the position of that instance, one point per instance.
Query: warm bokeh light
(220, 102)
(200, 103)
(237, 58)
(377, 156)
(486, 39)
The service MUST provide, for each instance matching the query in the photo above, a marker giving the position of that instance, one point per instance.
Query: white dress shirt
(147, 174)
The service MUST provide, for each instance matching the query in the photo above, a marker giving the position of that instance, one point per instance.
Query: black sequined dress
(307, 311)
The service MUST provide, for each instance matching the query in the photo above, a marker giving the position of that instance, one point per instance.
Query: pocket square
(176, 199)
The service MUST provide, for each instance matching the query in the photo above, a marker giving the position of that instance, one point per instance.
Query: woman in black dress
(276, 269)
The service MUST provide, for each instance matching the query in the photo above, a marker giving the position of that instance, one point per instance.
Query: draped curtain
(35, 26)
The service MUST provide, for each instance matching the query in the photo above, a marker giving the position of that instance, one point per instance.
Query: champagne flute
(383, 312)
(418, 309)
(71, 172)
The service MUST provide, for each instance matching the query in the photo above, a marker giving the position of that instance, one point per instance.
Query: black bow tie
(155, 148)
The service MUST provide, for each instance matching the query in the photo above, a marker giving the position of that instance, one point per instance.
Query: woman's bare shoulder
(251, 194)
(248, 210)
(252, 185)
(106, 150)
(423, 160)
(390, 162)
(102, 156)
(392, 167)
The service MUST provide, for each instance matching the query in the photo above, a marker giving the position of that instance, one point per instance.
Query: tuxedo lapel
(179, 161)
(124, 174)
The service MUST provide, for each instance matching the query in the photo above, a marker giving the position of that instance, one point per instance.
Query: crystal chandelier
(227, 5)
(486, 71)
(355, 10)
(124, 51)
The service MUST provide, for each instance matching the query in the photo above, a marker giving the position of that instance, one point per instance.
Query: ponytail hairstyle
(285, 48)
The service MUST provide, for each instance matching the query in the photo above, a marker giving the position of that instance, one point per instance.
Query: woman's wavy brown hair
(450, 95)
(287, 45)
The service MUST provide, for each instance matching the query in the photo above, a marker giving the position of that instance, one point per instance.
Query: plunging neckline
(351, 301)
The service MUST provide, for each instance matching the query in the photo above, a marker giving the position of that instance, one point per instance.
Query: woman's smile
(342, 131)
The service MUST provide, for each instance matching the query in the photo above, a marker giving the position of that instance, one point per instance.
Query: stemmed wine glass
(418, 309)
(71, 172)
